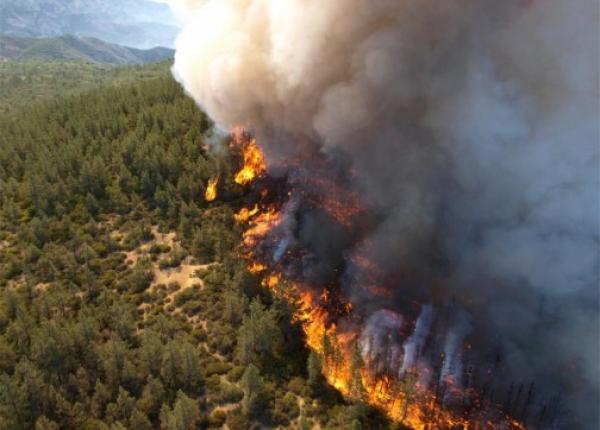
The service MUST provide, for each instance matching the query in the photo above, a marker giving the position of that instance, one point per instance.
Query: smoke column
(472, 128)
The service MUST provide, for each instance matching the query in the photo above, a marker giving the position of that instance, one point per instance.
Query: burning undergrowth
(422, 179)
(412, 360)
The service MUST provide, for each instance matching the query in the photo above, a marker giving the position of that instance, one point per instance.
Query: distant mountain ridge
(72, 48)
(139, 23)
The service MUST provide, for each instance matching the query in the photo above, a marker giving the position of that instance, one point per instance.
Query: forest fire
(211, 192)
(254, 162)
(358, 354)
(420, 169)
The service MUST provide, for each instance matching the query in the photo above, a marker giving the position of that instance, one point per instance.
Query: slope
(123, 302)
(23, 84)
(72, 48)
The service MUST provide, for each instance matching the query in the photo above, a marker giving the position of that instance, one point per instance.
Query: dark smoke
(469, 129)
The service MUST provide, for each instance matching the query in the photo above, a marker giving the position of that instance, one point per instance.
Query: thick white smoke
(473, 126)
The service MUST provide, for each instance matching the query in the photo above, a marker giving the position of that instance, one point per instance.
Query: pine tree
(139, 421)
(153, 396)
(408, 387)
(184, 415)
(44, 423)
(357, 389)
(259, 334)
(252, 386)
(315, 377)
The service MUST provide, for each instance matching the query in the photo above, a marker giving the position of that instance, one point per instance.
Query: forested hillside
(25, 84)
(123, 301)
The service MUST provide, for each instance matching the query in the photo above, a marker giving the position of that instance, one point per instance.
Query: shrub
(192, 307)
(213, 383)
(199, 334)
(237, 421)
(159, 248)
(230, 394)
(217, 368)
(297, 385)
(184, 296)
(139, 280)
(235, 373)
(217, 419)
(173, 286)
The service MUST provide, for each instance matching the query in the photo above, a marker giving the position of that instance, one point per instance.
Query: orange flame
(259, 226)
(254, 160)
(403, 400)
(256, 268)
(211, 192)
(245, 214)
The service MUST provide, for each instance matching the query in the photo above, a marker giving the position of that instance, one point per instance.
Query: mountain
(138, 23)
(72, 48)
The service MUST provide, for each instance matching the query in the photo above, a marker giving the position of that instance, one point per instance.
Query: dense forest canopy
(27, 83)
(123, 302)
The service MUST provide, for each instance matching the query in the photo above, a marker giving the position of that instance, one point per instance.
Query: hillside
(23, 84)
(72, 48)
(139, 23)
(123, 300)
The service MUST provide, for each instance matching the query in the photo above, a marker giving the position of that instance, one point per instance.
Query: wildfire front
(418, 178)
(418, 370)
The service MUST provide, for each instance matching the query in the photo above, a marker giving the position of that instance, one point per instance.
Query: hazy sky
(137, 23)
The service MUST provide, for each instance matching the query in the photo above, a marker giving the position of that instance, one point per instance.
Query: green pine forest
(123, 301)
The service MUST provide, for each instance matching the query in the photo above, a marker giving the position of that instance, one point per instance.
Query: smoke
(472, 130)
(416, 342)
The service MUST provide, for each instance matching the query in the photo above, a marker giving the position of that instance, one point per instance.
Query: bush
(182, 297)
(192, 307)
(13, 268)
(235, 373)
(199, 334)
(230, 394)
(164, 264)
(222, 340)
(159, 248)
(237, 421)
(297, 385)
(173, 286)
(287, 406)
(213, 383)
(217, 368)
(173, 260)
(139, 280)
(217, 419)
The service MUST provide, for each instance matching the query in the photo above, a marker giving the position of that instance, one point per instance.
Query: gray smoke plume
(472, 129)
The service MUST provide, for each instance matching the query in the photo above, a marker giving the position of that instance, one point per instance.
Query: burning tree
(381, 359)
(426, 178)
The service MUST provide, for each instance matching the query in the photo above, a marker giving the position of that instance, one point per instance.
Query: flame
(403, 400)
(245, 214)
(259, 226)
(254, 160)
(256, 268)
(211, 189)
